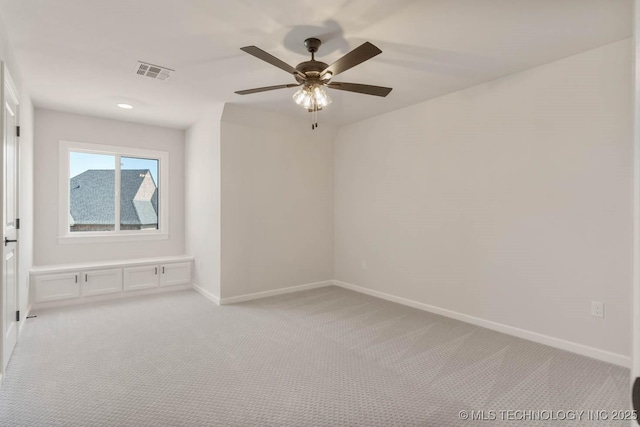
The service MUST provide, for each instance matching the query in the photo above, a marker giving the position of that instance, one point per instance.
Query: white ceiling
(80, 55)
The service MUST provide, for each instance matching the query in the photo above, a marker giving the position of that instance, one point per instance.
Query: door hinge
(18, 316)
(17, 223)
(18, 131)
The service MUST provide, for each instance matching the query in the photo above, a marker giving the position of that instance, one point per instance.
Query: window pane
(92, 192)
(138, 193)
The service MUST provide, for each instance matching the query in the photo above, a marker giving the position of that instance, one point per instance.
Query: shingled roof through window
(93, 197)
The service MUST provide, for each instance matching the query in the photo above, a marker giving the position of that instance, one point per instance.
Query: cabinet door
(177, 273)
(144, 277)
(98, 282)
(53, 287)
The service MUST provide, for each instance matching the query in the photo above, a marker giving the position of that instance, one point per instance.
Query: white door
(10, 214)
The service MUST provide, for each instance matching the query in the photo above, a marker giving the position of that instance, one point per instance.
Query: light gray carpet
(326, 357)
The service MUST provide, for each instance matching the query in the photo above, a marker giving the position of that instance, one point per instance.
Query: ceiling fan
(314, 76)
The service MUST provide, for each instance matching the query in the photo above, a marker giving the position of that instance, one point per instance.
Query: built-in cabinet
(58, 286)
(175, 273)
(144, 277)
(55, 285)
(100, 282)
(152, 276)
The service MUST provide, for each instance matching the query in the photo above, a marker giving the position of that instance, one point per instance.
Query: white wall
(202, 199)
(277, 201)
(25, 246)
(52, 127)
(509, 201)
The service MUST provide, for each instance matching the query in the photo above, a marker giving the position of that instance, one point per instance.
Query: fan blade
(267, 57)
(264, 89)
(356, 87)
(357, 56)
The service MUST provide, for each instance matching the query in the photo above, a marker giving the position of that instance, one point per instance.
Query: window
(110, 192)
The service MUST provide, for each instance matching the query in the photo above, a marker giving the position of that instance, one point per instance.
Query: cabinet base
(107, 297)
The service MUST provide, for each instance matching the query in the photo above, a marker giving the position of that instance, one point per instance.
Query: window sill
(128, 237)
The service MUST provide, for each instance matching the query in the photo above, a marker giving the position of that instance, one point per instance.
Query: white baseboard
(107, 297)
(280, 291)
(208, 295)
(595, 353)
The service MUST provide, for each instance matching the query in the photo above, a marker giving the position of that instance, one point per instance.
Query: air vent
(154, 71)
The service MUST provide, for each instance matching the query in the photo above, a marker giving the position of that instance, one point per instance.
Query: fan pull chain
(314, 117)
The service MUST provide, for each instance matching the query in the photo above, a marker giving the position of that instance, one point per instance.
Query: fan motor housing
(311, 69)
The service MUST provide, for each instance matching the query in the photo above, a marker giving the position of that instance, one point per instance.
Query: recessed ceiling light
(125, 106)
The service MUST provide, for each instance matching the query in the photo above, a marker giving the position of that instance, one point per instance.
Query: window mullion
(117, 195)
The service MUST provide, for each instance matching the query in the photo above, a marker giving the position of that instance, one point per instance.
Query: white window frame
(64, 194)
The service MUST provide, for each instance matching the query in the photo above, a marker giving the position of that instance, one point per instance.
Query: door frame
(635, 285)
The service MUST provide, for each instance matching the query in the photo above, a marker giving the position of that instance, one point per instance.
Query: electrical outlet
(364, 265)
(597, 309)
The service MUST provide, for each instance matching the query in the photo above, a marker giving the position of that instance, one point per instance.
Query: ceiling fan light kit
(314, 76)
(312, 98)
